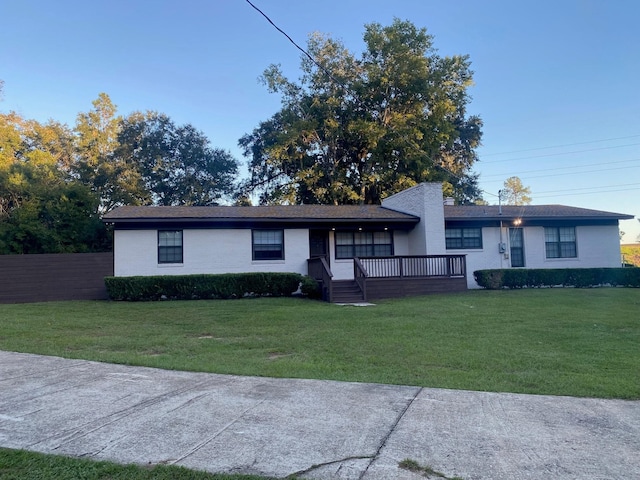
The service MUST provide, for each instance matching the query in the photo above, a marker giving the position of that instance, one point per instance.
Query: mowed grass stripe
(579, 342)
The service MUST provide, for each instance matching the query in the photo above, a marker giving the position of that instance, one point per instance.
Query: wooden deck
(377, 278)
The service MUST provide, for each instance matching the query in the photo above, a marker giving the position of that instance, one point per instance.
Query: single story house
(414, 243)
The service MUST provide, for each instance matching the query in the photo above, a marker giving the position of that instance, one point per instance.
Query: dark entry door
(319, 244)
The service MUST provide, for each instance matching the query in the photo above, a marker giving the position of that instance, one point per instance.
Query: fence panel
(49, 277)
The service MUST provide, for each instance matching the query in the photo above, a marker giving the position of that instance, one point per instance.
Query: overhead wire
(307, 54)
(575, 169)
(592, 188)
(560, 146)
(589, 193)
(577, 173)
(560, 153)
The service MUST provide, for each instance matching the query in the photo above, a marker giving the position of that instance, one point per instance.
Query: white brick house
(387, 239)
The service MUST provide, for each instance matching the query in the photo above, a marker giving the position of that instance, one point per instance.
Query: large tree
(42, 208)
(354, 130)
(176, 165)
(146, 159)
(112, 178)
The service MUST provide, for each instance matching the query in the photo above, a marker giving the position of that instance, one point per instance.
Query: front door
(319, 244)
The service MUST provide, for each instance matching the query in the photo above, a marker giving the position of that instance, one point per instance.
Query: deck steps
(346, 291)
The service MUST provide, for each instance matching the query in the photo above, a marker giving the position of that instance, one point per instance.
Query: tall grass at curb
(580, 342)
(23, 465)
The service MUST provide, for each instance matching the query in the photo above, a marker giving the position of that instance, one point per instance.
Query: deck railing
(414, 266)
(366, 269)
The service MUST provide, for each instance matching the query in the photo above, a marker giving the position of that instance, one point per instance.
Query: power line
(307, 54)
(560, 146)
(581, 173)
(503, 175)
(590, 188)
(574, 173)
(561, 153)
(588, 193)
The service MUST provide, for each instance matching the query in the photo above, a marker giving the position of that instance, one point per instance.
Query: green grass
(579, 342)
(22, 465)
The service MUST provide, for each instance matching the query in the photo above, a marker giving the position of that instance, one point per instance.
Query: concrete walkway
(317, 429)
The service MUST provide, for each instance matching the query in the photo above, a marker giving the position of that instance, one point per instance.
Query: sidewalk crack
(326, 464)
(391, 430)
(216, 434)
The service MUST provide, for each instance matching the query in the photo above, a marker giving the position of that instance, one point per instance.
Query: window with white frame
(268, 244)
(364, 244)
(169, 246)
(560, 242)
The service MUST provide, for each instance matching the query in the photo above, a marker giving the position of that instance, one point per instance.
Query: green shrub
(310, 287)
(568, 277)
(491, 279)
(514, 278)
(191, 287)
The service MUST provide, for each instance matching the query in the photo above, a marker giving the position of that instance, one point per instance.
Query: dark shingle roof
(546, 212)
(344, 214)
(285, 213)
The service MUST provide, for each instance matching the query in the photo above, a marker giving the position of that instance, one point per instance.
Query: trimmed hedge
(222, 286)
(566, 277)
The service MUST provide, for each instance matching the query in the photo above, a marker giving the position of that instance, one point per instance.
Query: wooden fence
(49, 277)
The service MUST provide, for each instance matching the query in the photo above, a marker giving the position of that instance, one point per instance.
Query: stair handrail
(326, 277)
(360, 276)
(319, 269)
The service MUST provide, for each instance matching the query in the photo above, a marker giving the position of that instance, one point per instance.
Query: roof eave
(497, 218)
(402, 223)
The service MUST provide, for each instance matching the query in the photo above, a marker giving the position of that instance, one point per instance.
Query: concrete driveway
(316, 429)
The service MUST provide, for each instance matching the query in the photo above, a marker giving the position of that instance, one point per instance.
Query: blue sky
(556, 82)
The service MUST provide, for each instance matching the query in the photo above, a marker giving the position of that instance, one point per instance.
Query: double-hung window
(364, 244)
(461, 238)
(268, 245)
(169, 246)
(560, 242)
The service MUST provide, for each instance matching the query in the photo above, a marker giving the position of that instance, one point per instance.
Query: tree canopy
(174, 165)
(356, 129)
(56, 182)
(42, 208)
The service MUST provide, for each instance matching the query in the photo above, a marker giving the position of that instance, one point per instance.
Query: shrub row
(222, 286)
(567, 277)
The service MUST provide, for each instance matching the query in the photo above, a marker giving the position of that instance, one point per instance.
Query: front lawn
(580, 342)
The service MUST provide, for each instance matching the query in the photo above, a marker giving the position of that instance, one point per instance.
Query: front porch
(376, 278)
